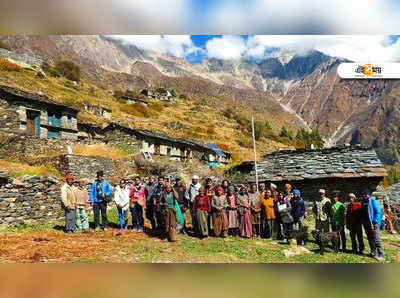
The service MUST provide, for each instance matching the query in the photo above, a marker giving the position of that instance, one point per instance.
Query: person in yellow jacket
(269, 225)
(68, 200)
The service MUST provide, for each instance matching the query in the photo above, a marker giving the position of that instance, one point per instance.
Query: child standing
(82, 206)
(121, 199)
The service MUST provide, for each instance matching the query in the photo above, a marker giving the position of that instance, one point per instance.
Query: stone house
(151, 93)
(347, 169)
(98, 111)
(36, 114)
(160, 144)
(89, 131)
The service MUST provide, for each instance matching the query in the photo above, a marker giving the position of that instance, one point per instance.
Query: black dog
(323, 240)
(301, 235)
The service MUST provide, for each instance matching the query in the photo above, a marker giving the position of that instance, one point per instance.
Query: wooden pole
(255, 150)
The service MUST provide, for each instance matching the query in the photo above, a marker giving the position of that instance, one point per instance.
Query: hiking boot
(96, 228)
(105, 229)
(140, 230)
(379, 259)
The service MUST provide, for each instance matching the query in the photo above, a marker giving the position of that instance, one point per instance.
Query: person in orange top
(388, 218)
(268, 224)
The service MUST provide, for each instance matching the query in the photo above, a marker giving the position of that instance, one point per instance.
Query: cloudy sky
(374, 48)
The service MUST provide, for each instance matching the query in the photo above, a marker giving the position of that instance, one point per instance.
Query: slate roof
(336, 162)
(33, 97)
(161, 136)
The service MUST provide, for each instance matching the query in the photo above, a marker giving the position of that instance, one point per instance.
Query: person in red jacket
(202, 209)
(353, 223)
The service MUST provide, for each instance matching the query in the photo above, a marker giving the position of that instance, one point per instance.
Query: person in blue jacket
(99, 192)
(371, 220)
(298, 208)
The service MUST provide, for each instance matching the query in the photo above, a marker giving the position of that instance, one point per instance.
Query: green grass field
(48, 243)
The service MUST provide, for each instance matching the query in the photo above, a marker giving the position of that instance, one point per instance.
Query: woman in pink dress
(232, 211)
(245, 226)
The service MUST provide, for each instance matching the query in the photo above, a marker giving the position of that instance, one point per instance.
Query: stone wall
(118, 138)
(85, 166)
(29, 200)
(16, 144)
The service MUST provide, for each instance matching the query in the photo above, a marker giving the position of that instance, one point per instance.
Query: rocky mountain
(301, 88)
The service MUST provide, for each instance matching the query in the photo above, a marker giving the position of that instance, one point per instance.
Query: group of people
(359, 215)
(220, 209)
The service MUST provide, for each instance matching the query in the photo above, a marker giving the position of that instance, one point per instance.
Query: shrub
(228, 113)
(156, 106)
(210, 130)
(53, 72)
(135, 110)
(173, 93)
(5, 45)
(245, 142)
(6, 65)
(118, 93)
(69, 70)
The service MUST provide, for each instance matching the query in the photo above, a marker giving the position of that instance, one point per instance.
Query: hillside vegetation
(203, 119)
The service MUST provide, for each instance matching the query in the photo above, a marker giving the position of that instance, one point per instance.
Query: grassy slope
(200, 120)
(46, 244)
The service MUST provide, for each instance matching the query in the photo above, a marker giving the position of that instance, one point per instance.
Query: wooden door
(33, 122)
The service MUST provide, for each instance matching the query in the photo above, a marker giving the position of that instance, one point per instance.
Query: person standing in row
(298, 208)
(137, 201)
(283, 208)
(322, 210)
(180, 189)
(99, 193)
(169, 210)
(353, 223)
(201, 208)
(219, 218)
(232, 211)
(268, 223)
(338, 217)
(157, 204)
(121, 199)
(371, 219)
(191, 193)
(255, 207)
(245, 226)
(68, 200)
(150, 190)
(82, 206)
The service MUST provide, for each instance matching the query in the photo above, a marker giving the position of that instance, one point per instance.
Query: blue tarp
(215, 148)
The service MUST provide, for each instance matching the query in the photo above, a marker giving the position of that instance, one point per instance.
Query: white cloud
(175, 45)
(226, 47)
(353, 47)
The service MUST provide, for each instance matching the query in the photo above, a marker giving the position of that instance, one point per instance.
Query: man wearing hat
(371, 220)
(322, 211)
(191, 193)
(68, 200)
(99, 192)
